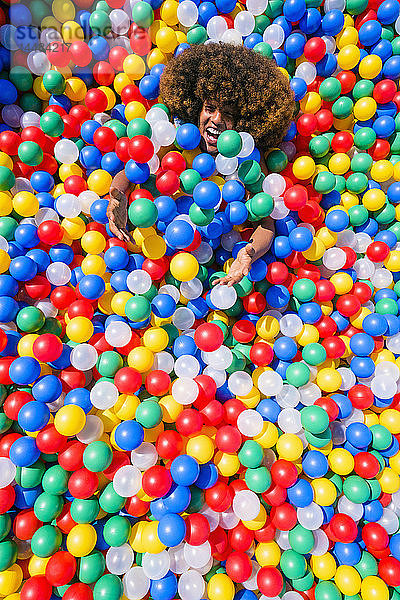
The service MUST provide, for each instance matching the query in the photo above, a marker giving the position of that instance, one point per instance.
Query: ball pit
(161, 437)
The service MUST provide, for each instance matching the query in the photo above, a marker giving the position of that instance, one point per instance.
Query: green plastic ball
(304, 290)
(229, 143)
(330, 89)
(251, 454)
(7, 179)
(356, 489)
(97, 456)
(47, 507)
(110, 501)
(84, 510)
(327, 590)
(148, 414)
(258, 480)
(8, 554)
(30, 153)
(249, 171)
(54, 82)
(52, 124)
(138, 309)
(116, 531)
(91, 567)
(142, 213)
(293, 564)
(108, 363)
(301, 539)
(142, 14)
(46, 541)
(55, 480)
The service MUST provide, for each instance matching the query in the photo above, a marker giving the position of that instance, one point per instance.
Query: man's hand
(117, 213)
(239, 268)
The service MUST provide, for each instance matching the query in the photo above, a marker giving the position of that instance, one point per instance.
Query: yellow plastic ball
(63, 10)
(325, 492)
(5, 261)
(111, 98)
(348, 35)
(74, 227)
(155, 339)
(339, 164)
(267, 327)
(341, 461)
(390, 419)
(6, 204)
(308, 335)
(329, 380)
(323, 567)
(99, 181)
(220, 587)
(71, 32)
(373, 588)
(382, 170)
(25, 344)
(134, 66)
(348, 580)
(370, 66)
(389, 480)
(289, 446)
(364, 108)
(316, 250)
(343, 282)
(134, 110)
(303, 167)
(75, 89)
(37, 565)
(348, 57)
(374, 199)
(10, 579)
(66, 170)
(150, 538)
(268, 554)
(121, 80)
(154, 247)
(227, 464)
(70, 420)
(392, 262)
(93, 264)
(81, 540)
(79, 329)
(327, 237)
(166, 39)
(311, 103)
(258, 522)
(168, 12)
(141, 358)
(269, 435)
(170, 408)
(25, 204)
(201, 448)
(119, 301)
(184, 266)
(156, 57)
(93, 242)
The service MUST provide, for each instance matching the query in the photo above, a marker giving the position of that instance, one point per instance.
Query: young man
(219, 87)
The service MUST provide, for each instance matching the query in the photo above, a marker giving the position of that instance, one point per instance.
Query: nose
(217, 117)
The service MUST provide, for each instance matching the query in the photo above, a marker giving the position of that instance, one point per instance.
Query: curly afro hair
(228, 74)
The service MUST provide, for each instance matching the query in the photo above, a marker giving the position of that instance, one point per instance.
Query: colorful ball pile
(161, 437)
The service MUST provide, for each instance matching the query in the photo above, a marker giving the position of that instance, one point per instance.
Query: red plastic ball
(50, 232)
(25, 524)
(361, 396)
(375, 536)
(174, 161)
(169, 444)
(78, 591)
(167, 182)
(314, 49)
(243, 331)
(238, 566)
(36, 587)
(104, 138)
(219, 497)
(329, 406)
(384, 91)
(283, 517)
(60, 569)
(96, 100)
(240, 538)
(343, 528)
(389, 570)
(103, 73)
(269, 581)
(295, 197)
(208, 337)
(307, 124)
(377, 251)
(156, 481)
(128, 380)
(116, 57)
(261, 354)
(255, 303)
(9, 142)
(324, 120)
(157, 383)
(7, 499)
(348, 305)
(50, 441)
(342, 141)
(348, 80)
(197, 529)
(366, 465)
(228, 439)
(189, 422)
(58, 54)
(47, 347)
(284, 473)
(334, 346)
(140, 41)
(83, 483)
(14, 402)
(141, 148)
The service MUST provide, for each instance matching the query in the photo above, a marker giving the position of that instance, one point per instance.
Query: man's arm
(259, 243)
(117, 209)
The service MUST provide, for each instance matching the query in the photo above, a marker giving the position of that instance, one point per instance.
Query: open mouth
(212, 135)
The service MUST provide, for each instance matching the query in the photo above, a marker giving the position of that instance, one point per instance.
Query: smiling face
(213, 120)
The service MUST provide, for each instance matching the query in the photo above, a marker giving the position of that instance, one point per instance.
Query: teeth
(212, 131)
